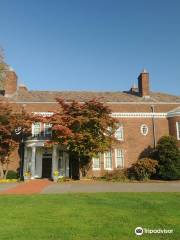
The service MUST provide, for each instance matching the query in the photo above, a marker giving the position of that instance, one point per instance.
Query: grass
(95, 216)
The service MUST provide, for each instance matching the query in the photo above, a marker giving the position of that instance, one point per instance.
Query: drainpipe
(154, 127)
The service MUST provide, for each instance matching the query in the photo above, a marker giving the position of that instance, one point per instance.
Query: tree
(83, 129)
(168, 156)
(12, 118)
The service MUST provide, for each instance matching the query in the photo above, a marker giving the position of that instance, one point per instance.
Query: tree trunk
(80, 172)
(1, 171)
(6, 171)
(74, 166)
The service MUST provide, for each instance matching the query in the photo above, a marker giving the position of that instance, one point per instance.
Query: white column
(54, 159)
(33, 162)
(38, 162)
(25, 168)
(66, 158)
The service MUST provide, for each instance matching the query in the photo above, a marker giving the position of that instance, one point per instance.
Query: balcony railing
(40, 137)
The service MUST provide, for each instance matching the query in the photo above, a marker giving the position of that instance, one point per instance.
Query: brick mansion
(144, 116)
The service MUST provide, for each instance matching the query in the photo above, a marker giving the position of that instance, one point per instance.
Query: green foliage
(168, 156)
(12, 175)
(143, 169)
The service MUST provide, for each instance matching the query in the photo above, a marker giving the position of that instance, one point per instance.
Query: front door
(46, 167)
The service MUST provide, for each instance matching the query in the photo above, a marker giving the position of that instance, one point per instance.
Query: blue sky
(92, 44)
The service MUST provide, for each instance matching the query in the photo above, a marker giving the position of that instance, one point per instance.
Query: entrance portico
(41, 162)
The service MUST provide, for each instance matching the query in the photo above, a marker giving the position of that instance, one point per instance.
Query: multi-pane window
(178, 130)
(47, 129)
(40, 129)
(119, 133)
(96, 163)
(108, 160)
(36, 129)
(119, 158)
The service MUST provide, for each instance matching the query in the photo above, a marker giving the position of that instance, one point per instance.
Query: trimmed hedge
(12, 175)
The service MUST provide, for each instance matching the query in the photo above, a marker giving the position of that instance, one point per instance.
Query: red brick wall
(10, 83)
(134, 142)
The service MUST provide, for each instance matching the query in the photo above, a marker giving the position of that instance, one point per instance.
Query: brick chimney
(10, 82)
(143, 84)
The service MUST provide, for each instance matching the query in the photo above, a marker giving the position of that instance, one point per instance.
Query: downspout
(154, 127)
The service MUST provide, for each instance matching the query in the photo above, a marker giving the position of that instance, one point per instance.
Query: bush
(116, 175)
(168, 157)
(12, 175)
(143, 169)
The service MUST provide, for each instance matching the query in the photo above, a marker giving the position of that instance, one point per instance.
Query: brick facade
(10, 83)
(131, 109)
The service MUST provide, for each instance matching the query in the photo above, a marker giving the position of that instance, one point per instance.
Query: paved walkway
(31, 187)
(112, 187)
(45, 186)
(5, 186)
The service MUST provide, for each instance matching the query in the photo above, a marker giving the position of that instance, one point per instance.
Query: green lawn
(88, 216)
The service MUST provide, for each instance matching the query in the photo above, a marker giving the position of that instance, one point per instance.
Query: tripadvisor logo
(139, 231)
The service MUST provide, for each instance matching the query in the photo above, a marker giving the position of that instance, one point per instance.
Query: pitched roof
(23, 95)
(175, 112)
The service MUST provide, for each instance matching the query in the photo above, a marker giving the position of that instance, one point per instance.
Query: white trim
(105, 161)
(138, 115)
(120, 129)
(33, 128)
(178, 130)
(115, 152)
(173, 114)
(146, 103)
(120, 114)
(44, 114)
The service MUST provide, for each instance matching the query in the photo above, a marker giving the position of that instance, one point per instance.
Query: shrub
(168, 157)
(143, 169)
(116, 175)
(12, 175)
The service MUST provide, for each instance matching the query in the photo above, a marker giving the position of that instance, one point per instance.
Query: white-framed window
(47, 129)
(108, 160)
(36, 129)
(119, 135)
(96, 163)
(178, 130)
(144, 129)
(119, 158)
